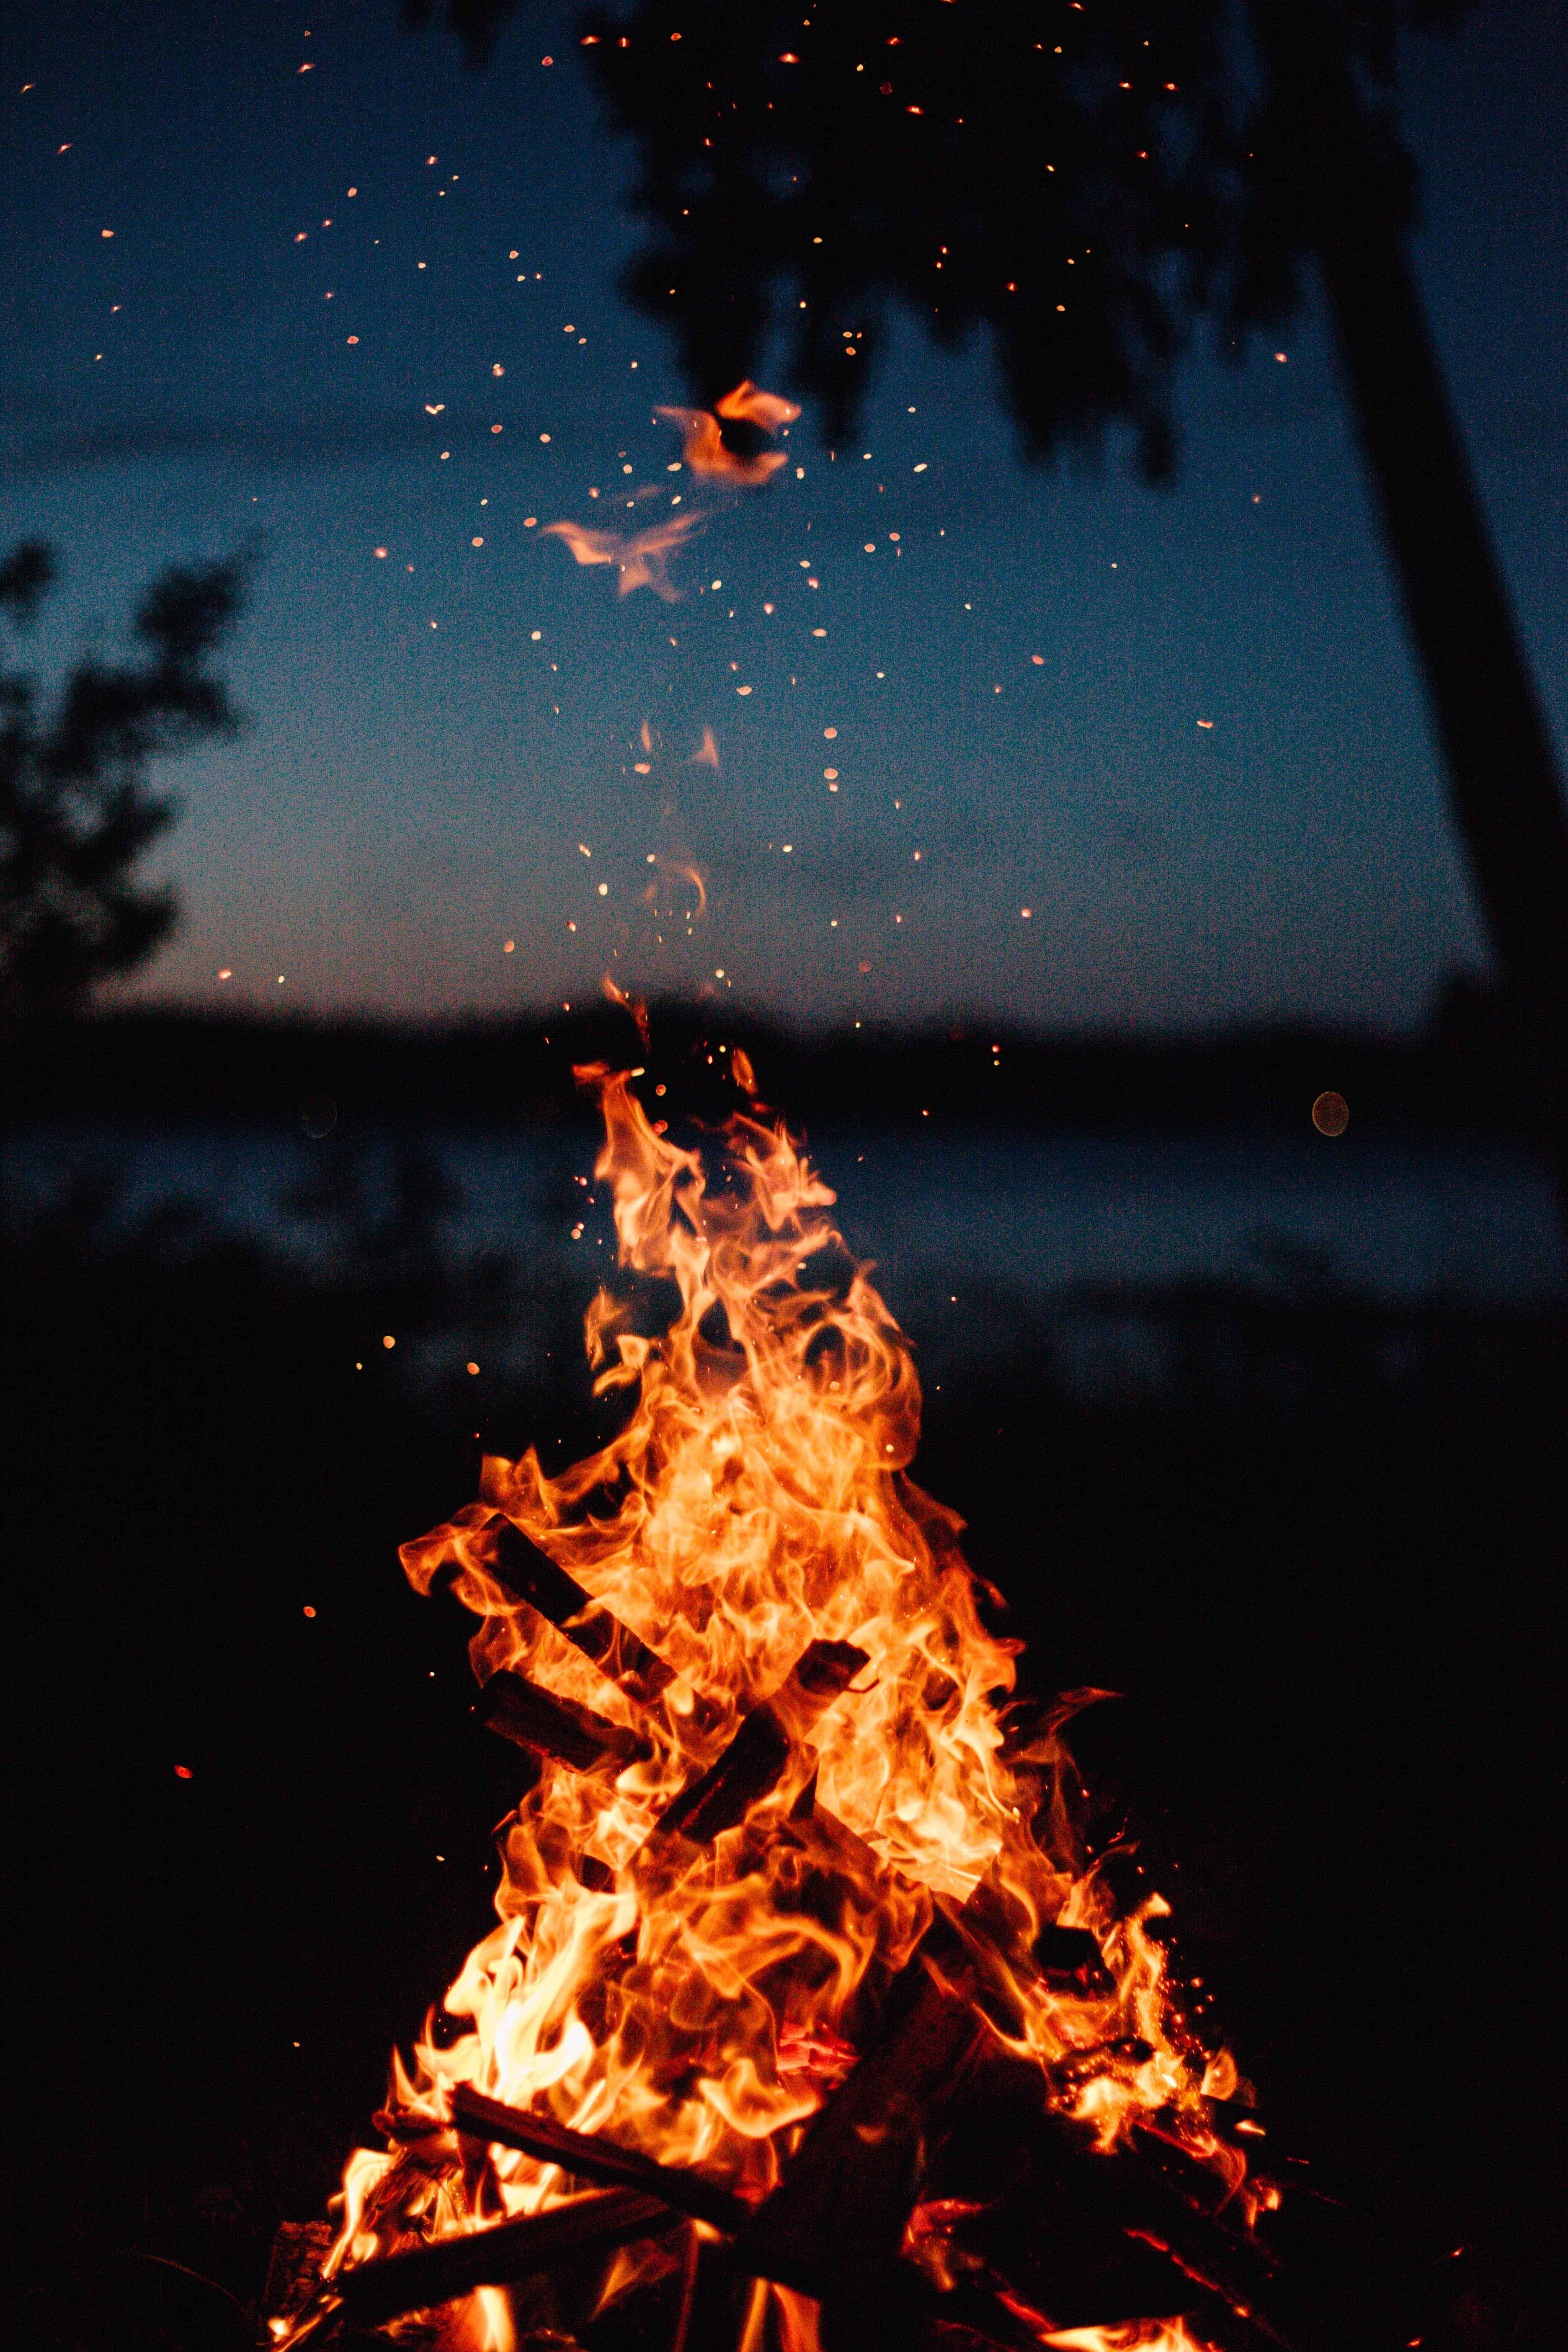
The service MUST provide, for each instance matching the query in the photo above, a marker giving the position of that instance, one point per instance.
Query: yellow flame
(698, 2003)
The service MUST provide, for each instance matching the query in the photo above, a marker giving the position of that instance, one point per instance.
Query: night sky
(261, 278)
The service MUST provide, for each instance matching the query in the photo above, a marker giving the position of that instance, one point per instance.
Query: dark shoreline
(1456, 1076)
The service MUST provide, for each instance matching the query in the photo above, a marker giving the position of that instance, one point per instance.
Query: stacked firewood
(940, 2197)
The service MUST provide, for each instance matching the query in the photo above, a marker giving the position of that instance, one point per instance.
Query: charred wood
(755, 1761)
(848, 2192)
(522, 2249)
(294, 2267)
(519, 1711)
(855, 2179)
(613, 1647)
(939, 2109)
(1070, 2220)
(592, 2158)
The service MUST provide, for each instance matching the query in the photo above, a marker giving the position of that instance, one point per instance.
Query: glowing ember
(777, 1755)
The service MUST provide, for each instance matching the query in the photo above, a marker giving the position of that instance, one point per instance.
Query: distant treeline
(1458, 1073)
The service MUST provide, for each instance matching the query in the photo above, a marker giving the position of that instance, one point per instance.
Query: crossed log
(1092, 2237)
(1126, 2240)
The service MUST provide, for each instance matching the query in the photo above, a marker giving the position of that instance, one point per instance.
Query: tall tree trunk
(1505, 794)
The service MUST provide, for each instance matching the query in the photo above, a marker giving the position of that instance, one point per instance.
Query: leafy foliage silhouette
(1086, 182)
(1094, 183)
(76, 811)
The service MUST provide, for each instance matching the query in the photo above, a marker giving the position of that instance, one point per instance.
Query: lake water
(963, 1227)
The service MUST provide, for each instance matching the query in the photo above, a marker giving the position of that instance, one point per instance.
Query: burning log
(681, 2189)
(1085, 2224)
(613, 1647)
(451, 2267)
(755, 1761)
(1086, 2232)
(536, 1720)
(1095, 2234)
(855, 2178)
(953, 2190)
(932, 2109)
(848, 2194)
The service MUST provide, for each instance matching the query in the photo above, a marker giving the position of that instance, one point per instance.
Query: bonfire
(807, 2020)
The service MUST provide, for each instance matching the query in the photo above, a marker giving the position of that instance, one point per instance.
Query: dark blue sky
(411, 797)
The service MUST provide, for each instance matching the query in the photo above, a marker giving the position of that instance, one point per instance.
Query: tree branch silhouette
(1092, 183)
(76, 813)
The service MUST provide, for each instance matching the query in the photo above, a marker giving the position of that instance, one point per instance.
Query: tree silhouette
(1094, 183)
(76, 813)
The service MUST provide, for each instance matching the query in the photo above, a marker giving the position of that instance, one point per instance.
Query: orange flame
(698, 2003)
(1131, 2336)
(640, 558)
(764, 408)
(703, 446)
(627, 1002)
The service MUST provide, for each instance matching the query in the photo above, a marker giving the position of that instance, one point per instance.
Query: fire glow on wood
(806, 2019)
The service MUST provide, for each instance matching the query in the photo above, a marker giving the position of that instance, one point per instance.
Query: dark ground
(1336, 1620)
